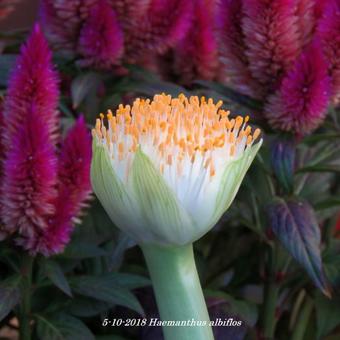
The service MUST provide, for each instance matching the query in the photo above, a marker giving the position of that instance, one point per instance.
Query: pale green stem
(178, 291)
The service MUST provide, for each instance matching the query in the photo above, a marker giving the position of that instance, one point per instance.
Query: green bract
(147, 208)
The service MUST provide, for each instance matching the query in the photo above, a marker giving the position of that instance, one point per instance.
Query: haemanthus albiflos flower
(166, 170)
(43, 187)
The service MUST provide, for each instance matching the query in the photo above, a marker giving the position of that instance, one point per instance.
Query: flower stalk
(269, 315)
(178, 291)
(25, 307)
(271, 294)
(302, 321)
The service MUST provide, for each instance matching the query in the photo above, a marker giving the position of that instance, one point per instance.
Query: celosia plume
(271, 35)
(306, 20)
(232, 48)
(328, 32)
(164, 23)
(41, 193)
(260, 40)
(74, 189)
(101, 38)
(196, 56)
(28, 134)
(62, 22)
(32, 86)
(29, 176)
(150, 27)
(301, 103)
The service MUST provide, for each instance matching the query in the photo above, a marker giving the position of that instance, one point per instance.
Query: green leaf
(227, 94)
(6, 64)
(82, 85)
(9, 295)
(244, 309)
(130, 281)
(330, 202)
(62, 327)
(327, 315)
(111, 337)
(56, 275)
(115, 257)
(105, 288)
(294, 223)
(321, 137)
(82, 250)
(87, 307)
(320, 168)
(331, 258)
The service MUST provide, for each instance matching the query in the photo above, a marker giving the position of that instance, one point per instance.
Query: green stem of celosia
(25, 307)
(269, 317)
(302, 321)
(178, 291)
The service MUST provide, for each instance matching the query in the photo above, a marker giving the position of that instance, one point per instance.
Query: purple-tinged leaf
(294, 223)
(282, 161)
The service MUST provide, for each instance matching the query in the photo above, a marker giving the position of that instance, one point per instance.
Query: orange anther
(256, 134)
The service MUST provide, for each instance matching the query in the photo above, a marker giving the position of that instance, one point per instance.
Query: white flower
(166, 170)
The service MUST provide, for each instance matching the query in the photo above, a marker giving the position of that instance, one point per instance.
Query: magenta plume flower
(150, 27)
(101, 38)
(328, 32)
(272, 39)
(161, 26)
(301, 103)
(28, 136)
(196, 56)
(306, 20)
(29, 177)
(42, 190)
(232, 48)
(74, 190)
(32, 86)
(62, 21)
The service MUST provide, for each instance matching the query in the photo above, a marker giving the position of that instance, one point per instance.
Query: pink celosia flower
(272, 39)
(29, 176)
(33, 83)
(150, 27)
(306, 20)
(28, 135)
(101, 38)
(74, 190)
(301, 103)
(260, 40)
(328, 32)
(163, 24)
(62, 22)
(41, 192)
(196, 56)
(232, 49)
